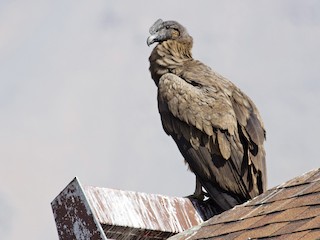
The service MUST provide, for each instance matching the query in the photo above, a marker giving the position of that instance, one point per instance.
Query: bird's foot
(198, 196)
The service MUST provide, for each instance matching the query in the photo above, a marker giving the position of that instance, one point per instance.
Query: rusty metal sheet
(132, 215)
(73, 216)
(103, 213)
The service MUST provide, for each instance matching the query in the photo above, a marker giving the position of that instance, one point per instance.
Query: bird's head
(169, 30)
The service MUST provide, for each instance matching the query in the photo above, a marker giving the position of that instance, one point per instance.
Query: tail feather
(222, 199)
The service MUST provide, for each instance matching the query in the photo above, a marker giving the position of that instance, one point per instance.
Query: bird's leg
(198, 193)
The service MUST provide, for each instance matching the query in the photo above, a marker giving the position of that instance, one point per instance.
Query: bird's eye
(167, 27)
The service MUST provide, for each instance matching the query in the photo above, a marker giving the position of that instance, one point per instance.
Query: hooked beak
(151, 39)
(154, 32)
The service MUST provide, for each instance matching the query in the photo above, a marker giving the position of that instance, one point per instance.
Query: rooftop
(288, 211)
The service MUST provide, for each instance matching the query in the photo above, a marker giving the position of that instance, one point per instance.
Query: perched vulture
(216, 127)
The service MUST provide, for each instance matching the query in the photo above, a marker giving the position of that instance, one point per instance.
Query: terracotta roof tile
(265, 220)
(308, 177)
(290, 227)
(314, 234)
(292, 236)
(313, 211)
(313, 223)
(289, 211)
(260, 232)
(220, 229)
(210, 230)
(268, 208)
(311, 188)
(305, 200)
(235, 213)
(285, 193)
(290, 214)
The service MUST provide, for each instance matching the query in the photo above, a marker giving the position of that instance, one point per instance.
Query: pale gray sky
(76, 97)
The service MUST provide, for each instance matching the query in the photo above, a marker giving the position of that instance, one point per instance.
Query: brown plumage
(216, 127)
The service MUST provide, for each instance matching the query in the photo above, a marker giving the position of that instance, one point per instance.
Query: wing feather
(201, 107)
(214, 131)
(224, 145)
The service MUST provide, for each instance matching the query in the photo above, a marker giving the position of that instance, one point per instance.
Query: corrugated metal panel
(140, 214)
(101, 213)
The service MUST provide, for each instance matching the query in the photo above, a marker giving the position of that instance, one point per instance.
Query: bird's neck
(178, 49)
(169, 56)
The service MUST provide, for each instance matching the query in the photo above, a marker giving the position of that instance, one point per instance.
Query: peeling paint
(142, 211)
(101, 213)
(74, 220)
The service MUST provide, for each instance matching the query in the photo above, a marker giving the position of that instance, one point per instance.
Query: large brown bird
(216, 127)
